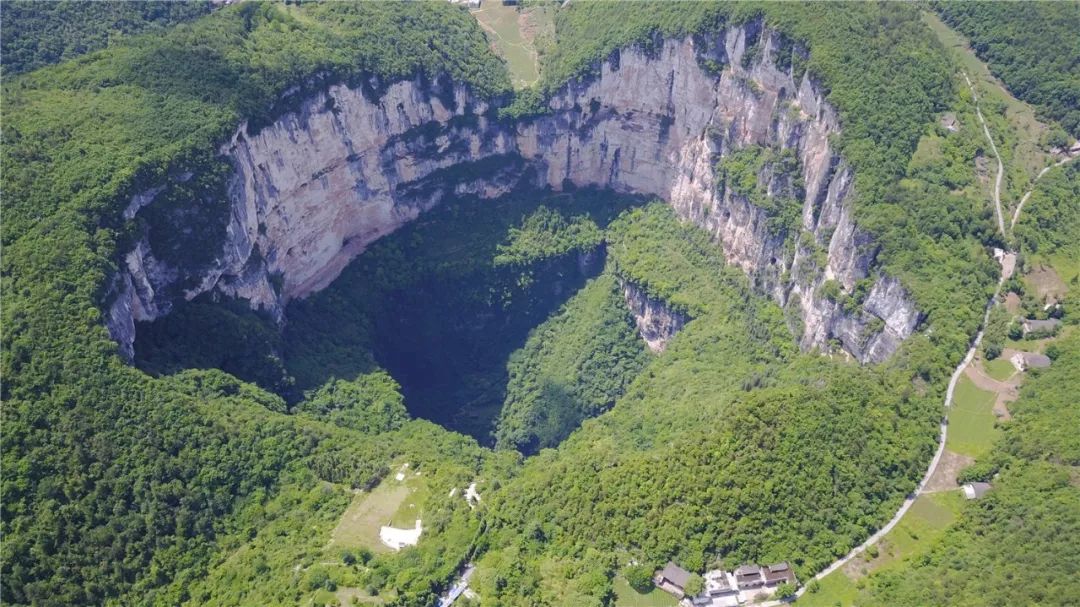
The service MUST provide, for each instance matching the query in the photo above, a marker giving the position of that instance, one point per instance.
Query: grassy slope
(1018, 133)
(925, 523)
(971, 421)
(516, 33)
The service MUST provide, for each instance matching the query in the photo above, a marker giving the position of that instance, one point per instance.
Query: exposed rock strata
(313, 189)
(656, 322)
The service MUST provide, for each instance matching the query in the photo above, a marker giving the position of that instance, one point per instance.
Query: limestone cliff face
(313, 189)
(656, 322)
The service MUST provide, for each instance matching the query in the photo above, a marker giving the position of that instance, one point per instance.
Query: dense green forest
(1016, 546)
(1031, 46)
(1051, 224)
(573, 367)
(36, 34)
(700, 460)
(119, 487)
(165, 484)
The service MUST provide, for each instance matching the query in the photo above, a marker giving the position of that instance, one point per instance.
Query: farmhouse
(749, 577)
(1030, 360)
(1048, 326)
(725, 589)
(974, 491)
(778, 574)
(672, 579)
(720, 591)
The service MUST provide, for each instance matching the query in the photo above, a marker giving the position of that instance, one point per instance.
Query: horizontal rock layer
(313, 189)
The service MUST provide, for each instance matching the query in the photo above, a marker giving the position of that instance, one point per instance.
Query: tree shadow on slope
(443, 303)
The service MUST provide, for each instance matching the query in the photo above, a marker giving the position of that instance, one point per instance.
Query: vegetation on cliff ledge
(198, 488)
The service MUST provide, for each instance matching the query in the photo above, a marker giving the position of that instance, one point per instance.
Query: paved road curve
(1007, 265)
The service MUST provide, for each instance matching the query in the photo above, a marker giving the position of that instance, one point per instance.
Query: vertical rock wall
(313, 189)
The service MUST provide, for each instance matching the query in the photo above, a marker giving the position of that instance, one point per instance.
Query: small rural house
(974, 491)
(1049, 325)
(672, 579)
(778, 574)
(749, 577)
(720, 591)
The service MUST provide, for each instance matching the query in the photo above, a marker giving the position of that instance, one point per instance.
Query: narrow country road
(873, 539)
(1008, 262)
(1016, 213)
(997, 156)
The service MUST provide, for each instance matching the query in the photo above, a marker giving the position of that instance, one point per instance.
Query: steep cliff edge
(310, 191)
(656, 322)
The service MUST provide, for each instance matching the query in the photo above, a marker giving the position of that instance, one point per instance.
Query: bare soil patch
(1012, 303)
(1046, 282)
(948, 468)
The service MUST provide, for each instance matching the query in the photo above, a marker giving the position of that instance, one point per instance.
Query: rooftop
(1036, 360)
(675, 574)
(976, 490)
(748, 570)
(1034, 325)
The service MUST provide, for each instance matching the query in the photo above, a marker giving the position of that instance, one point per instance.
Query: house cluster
(723, 588)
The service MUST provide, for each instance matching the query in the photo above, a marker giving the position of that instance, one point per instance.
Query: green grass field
(412, 507)
(912, 537)
(999, 368)
(512, 36)
(971, 420)
(393, 502)
(625, 596)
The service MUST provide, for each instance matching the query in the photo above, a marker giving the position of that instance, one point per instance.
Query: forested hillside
(116, 484)
(703, 445)
(37, 34)
(1051, 224)
(1031, 46)
(1025, 528)
(218, 468)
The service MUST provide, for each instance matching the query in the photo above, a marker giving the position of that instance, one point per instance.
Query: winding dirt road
(997, 156)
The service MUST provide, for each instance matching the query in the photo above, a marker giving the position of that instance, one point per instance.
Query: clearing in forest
(912, 537)
(971, 420)
(626, 596)
(515, 33)
(394, 502)
(1028, 131)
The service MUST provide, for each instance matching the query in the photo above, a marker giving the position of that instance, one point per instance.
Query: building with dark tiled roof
(1049, 325)
(974, 491)
(672, 579)
(778, 574)
(749, 577)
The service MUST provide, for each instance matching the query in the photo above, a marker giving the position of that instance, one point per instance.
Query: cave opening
(441, 305)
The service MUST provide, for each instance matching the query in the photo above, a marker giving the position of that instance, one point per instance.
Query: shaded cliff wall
(313, 189)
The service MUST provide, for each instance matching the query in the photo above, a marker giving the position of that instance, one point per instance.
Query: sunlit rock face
(656, 322)
(313, 189)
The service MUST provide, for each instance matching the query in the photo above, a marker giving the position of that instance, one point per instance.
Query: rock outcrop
(314, 188)
(656, 322)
